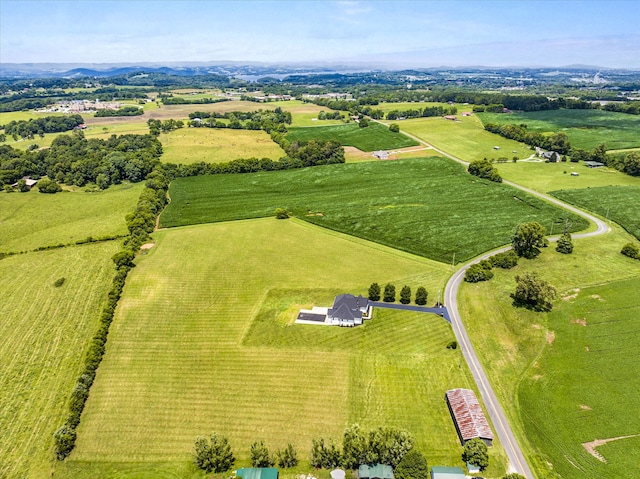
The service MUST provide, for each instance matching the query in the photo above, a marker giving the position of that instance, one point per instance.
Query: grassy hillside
(203, 340)
(193, 145)
(45, 331)
(585, 128)
(30, 220)
(427, 206)
(520, 347)
(617, 203)
(374, 137)
(466, 138)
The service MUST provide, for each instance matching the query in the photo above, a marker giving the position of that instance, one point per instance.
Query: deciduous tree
(533, 293)
(412, 466)
(528, 239)
(475, 452)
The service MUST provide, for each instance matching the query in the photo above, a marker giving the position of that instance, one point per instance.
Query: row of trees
(267, 120)
(427, 111)
(557, 142)
(386, 445)
(39, 126)
(389, 295)
(127, 110)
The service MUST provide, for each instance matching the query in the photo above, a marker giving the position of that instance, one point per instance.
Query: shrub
(59, 282)
(45, 185)
(389, 293)
(421, 296)
(564, 244)
(65, 440)
(452, 344)
(484, 169)
(405, 294)
(282, 213)
(374, 292)
(394, 127)
(288, 457)
(506, 260)
(631, 250)
(260, 456)
(478, 272)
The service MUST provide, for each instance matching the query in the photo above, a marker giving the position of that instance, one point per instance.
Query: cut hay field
(466, 138)
(31, 220)
(585, 128)
(374, 137)
(214, 145)
(546, 177)
(426, 206)
(45, 331)
(202, 341)
(617, 203)
(521, 349)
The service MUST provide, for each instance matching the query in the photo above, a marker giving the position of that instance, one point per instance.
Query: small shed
(440, 472)
(257, 473)
(593, 164)
(472, 468)
(375, 471)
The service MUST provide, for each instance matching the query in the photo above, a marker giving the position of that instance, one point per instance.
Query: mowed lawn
(45, 332)
(546, 177)
(33, 219)
(519, 347)
(585, 128)
(466, 138)
(617, 203)
(426, 206)
(202, 341)
(374, 137)
(214, 145)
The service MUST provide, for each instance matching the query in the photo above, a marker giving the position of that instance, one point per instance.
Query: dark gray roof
(347, 306)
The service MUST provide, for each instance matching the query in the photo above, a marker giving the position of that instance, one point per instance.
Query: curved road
(517, 462)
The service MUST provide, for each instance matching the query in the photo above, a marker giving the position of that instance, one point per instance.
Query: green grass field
(617, 203)
(212, 145)
(547, 177)
(45, 331)
(427, 206)
(374, 137)
(417, 105)
(518, 346)
(585, 128)
(33, 219)
(202, 341)
(466, 138)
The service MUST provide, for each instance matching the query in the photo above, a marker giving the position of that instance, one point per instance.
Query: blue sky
(417, 33)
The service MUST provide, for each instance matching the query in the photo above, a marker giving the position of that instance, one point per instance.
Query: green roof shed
(375, 471)
(439, 472)
(258, 473)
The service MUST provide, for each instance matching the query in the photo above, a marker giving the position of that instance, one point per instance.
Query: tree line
(127, 110)
(169, 99)
(557, 142)
(266, 120)
(39, 126)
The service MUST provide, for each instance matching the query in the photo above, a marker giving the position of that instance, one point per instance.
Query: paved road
(517, 462)
(441, 311)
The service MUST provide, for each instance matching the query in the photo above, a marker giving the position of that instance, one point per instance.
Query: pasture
(585, 128)
(519, 347)
(546, 177)
(45, 331)
(214, 145)
(31, 220)
(374, 137)
(466, 138)
(202, 340)
(617, 203)
(425, 206)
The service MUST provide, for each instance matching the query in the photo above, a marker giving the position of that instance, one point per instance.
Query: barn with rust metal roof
(467, 416)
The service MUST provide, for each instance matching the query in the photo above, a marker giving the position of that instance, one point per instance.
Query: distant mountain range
(240, 69)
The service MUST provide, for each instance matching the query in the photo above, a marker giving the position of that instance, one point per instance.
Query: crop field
(465, 138)
(45, 331)
(519, 347)
(33, 219)
(546, 177)
(214, 145)
(426, 206)
(203, 341)
(585, 128)
(374, 137)
(617, 203)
